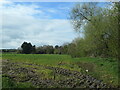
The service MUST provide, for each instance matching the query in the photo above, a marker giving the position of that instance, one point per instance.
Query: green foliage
(100, 28)
(8, 50)
(9, 83)
(46, 49)
(82, 13)
(24, 85)
(27, 48)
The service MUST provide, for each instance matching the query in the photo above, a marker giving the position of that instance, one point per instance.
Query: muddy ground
(60, 77)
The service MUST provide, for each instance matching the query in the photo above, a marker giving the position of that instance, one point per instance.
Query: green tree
(33, 49)
(82, 13)
(49, 49)
(57, 50)
(100, 27)
(26, 48)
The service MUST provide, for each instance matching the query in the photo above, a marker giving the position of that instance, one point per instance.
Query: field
(58, 71)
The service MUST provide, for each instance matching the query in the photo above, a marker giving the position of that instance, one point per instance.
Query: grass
(37, 59)
(46, 73)
(8, 83)
(105, 69)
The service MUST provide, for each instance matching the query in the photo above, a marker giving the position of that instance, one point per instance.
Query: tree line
(28, 48)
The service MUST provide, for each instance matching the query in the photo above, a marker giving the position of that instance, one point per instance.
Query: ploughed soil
(59, 77)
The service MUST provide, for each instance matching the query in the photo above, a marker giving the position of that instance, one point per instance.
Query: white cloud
(38, 32)
(52, 10)
(20, 24)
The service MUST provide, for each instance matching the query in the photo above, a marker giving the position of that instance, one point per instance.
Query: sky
(36, 22)
(41, 23)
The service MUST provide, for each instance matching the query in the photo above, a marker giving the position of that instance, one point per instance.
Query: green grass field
(105, 69)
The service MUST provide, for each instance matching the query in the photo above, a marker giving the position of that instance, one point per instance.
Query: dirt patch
(72, 79)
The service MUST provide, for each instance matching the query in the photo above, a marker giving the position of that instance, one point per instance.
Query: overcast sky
(41, 23)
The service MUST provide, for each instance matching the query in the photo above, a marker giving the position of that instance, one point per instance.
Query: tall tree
(100, 27)
(83, 13)
(26, 48)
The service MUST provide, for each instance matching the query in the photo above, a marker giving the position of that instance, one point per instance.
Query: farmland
(58, 71)
(60, 44)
